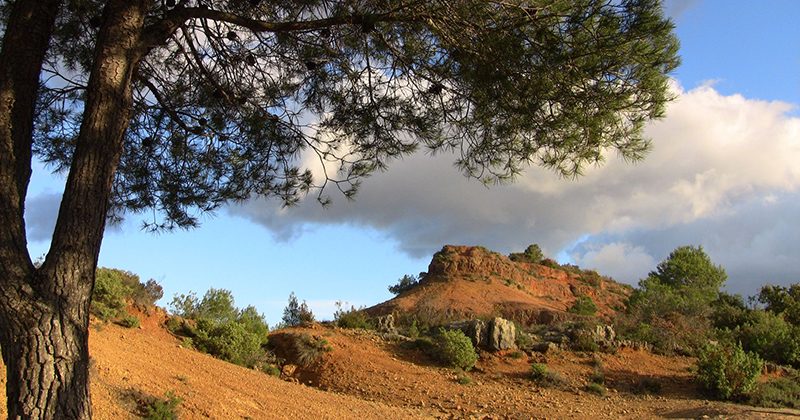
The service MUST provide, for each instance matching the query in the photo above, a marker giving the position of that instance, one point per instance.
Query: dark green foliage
(114, 289)
(425, 345)
(538, 371)
(455, 349)
(686, 282)
(406, 283)
(646, 386)
(296, 313)
(727, 372)
(542, 376)
(771, 337)
(352, 318)
(597, 389)
(777, 393)
(783, 301)
(583, 305)
(230, 341)
(673, 307)
(220, 328)
(533, 254)
(309, 349)
(547, 262)
(559, 91)
(523, 340)
(163, 409)
(129, 321)
(462, 377)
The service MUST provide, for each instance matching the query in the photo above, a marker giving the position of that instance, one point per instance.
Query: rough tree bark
(44, 312)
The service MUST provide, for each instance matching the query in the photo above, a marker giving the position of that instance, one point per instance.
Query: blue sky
(724, 173)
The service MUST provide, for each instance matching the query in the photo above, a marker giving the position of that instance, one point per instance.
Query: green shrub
(352, 318)
(543, 376)
(522, 339)
(538, 371)
(597, 377)
(114, 289)
(232, 342)
(782, 301)
(272, 370)
(129, 321)
(646, 386)
(771, 337)
(516, 354)
(583, 305)
(777, 393)
(163, 409)
(296, 313)
(455, 349)
(462, 377)
(406, 283)
(219, 328)
(728, 372)
(597, 389)
(309, 349)
(423, 344)
(533, 254)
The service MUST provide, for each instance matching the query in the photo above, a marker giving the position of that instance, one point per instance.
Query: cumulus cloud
(715, 158)
(41, 211)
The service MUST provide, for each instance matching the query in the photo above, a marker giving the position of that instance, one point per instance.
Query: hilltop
(467, 282)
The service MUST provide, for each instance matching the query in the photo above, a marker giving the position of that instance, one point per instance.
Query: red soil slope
(464, 282)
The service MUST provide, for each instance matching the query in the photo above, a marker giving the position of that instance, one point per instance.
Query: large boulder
(502, 334)
(478, 331)
(497, 334)
(385, 324)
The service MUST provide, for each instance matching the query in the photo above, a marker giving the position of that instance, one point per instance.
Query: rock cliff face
(468, 282)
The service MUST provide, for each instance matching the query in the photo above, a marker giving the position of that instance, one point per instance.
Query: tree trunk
(44, 312)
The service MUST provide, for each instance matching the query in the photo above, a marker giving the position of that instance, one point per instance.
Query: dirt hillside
(131, 364)
(465, 282)
(367, 377)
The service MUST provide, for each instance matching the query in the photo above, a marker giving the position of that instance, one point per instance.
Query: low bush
(406, 283)
(597, 389)
(583, 305)
(352, 318)
(129, 321)
(309, 349)
(114, 289)
(216, 326)
(646, 386)
(777, 393)
(728, 372)
(543, 376)
(462, 377)
(455, 349)
(230, 341)
(158, 409)
(771, 337)
(597, 377)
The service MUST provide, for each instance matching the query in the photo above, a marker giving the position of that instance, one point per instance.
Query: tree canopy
(176, 107)
(237, 99)
(686, 282)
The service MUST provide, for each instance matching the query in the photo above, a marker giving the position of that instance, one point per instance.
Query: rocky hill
(364, 374)
(467, 282)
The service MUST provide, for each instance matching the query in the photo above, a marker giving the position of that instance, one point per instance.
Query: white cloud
(712, 155)
(620, 261)
(41, 211)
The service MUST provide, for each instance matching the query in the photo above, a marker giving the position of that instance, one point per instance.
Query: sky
(724, 173)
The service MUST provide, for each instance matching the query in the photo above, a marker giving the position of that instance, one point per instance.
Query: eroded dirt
(366, 377)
